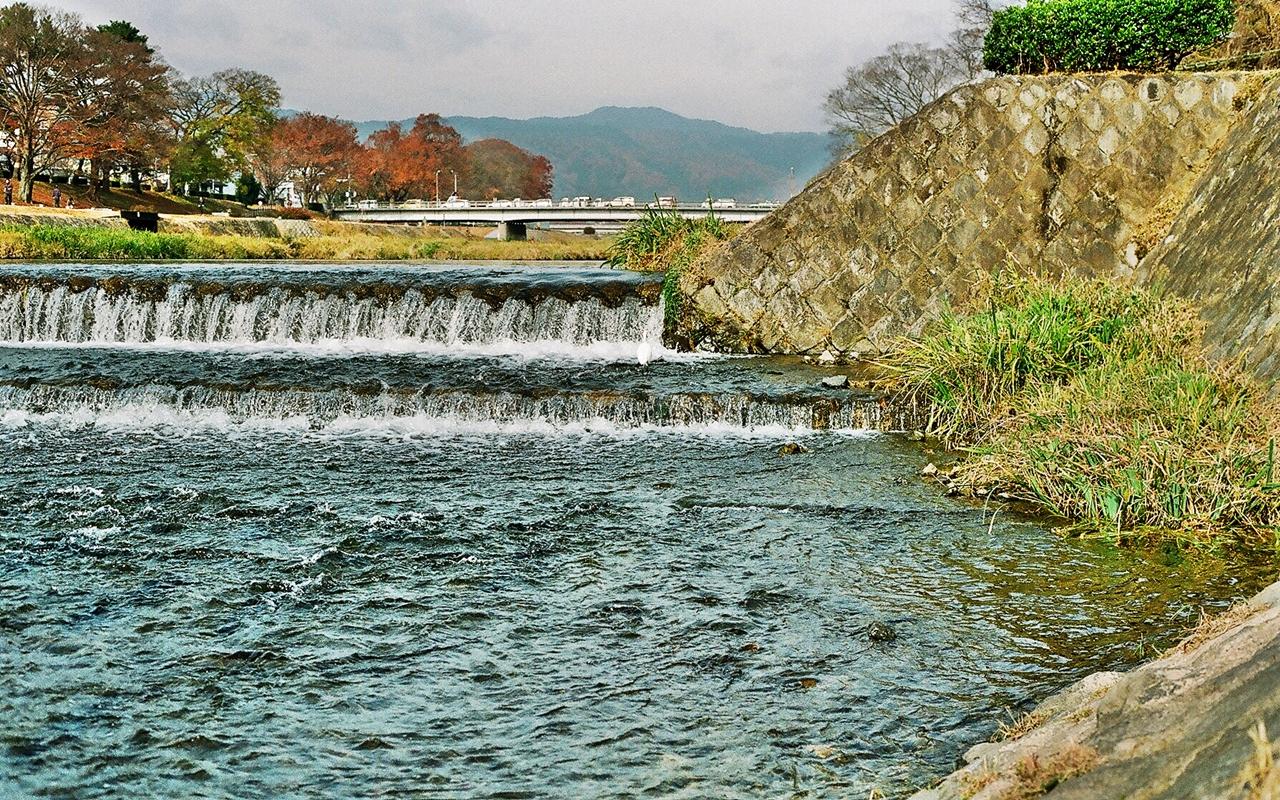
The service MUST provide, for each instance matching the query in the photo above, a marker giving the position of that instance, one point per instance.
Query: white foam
(180, 423)
(287, 320)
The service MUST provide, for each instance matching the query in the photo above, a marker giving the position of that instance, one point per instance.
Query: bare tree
(885, 90)
(973, 20)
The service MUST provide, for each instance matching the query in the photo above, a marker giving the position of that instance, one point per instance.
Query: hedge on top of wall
(1101, 35)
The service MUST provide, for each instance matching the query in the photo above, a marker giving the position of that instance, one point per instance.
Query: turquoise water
(463, 546)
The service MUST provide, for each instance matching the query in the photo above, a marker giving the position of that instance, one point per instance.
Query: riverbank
(42, 234)
(1096, 403)
(1200, 722)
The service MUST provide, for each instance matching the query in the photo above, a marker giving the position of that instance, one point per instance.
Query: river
(470, 531)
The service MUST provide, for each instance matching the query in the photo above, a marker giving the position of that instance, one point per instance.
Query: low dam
(474, 529)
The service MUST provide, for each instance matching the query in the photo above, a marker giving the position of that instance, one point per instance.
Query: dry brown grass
(1211, 626)
(973, 782)
(1034, 776)
(1262, 774)
(58, 242)
(1017, 728)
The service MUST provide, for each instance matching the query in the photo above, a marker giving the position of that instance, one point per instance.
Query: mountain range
(644, 152)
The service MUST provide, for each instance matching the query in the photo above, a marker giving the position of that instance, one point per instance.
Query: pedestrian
(8, 191)
(57, 197)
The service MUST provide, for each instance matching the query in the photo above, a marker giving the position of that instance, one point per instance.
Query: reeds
(663, 240)
(1096, 403)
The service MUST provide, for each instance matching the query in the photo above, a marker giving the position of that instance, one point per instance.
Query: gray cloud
(757, 63)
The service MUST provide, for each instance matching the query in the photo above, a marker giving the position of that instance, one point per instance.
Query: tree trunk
(94, 169)
(26, 177)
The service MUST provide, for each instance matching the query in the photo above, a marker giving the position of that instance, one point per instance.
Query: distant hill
(646, 151)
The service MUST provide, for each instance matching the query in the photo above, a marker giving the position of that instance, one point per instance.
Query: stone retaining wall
(1223, 251)
(1055, 174)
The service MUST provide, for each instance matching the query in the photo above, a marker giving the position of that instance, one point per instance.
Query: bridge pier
(512, 231)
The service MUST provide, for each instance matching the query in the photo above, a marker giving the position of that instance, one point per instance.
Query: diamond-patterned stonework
(1054, 175)
(1223, 250)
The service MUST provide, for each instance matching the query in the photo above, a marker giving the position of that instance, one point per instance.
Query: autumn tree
(398, 165)
(39, 54)
(216, 121)
(122, 90)
(269, 164)
(498, 168)
(318, 151)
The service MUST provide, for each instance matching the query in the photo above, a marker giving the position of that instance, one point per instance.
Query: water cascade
(291, 309)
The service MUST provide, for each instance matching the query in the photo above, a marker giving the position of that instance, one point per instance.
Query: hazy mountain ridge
(646, 151)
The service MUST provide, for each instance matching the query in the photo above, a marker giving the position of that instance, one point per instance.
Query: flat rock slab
(1177, 728)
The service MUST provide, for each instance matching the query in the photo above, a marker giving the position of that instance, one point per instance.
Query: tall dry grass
(1096, 403)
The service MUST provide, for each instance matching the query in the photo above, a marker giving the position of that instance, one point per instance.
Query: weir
(287, 308)
(438, 350)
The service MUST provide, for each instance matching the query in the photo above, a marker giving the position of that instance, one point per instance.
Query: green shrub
(1100, 35)
(1096, 403)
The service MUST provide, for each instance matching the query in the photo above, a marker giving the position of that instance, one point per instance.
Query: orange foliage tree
(319, 153)
(498, 168)
(121, 92)
(398, 165)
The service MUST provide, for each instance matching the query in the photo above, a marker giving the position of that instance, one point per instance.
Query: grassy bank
(58, 242)
(664, 241)
(1097, 404)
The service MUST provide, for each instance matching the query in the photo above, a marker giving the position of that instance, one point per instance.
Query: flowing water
(438, 531)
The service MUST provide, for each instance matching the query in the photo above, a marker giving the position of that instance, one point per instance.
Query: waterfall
(387, 317)
(152, 404)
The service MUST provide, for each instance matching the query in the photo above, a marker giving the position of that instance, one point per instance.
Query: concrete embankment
(1200, 723)
(1050, 175)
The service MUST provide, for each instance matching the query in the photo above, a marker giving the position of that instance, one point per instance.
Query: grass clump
(1096, 403)
(1021, 726)
(1035, 776)
(665, 241)
(1262, 773)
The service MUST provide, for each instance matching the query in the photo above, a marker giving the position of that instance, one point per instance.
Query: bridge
(512, 218)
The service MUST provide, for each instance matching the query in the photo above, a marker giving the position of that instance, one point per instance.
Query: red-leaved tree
(319, 153)
(498, 168)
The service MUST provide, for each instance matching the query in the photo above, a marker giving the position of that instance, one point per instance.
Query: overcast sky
(764, 64)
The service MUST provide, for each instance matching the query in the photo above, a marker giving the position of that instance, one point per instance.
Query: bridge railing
(463, 205)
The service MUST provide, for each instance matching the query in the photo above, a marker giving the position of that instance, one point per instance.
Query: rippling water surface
(239, 592)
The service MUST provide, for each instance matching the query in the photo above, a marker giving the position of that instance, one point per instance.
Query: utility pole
(437, 186)
(455, 182)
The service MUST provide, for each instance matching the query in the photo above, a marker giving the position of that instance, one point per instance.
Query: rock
(1177, 728)
(881, 632)
(836, 382)
(823, 751)
(792, 448)
(929, 470)
(916, 436)
(827, 358)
